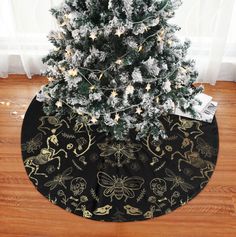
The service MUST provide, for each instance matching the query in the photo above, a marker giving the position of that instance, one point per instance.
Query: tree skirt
(89, 174)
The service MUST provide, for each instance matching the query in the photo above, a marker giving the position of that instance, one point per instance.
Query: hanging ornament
(129, 90)
(148, 87)
(59, 104)
(138, 110)
(114, 93)
(93, 35)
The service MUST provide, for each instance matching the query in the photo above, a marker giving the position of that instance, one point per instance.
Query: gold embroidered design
(158, 186)
(149, 214)
(82, 141)
(73, 137)
(123, 152)
(46, 154)
(101, 211)
(185, 124)
(119, 187)
(51, 120)
(193, 158)
(134, 211)
(33, 144)
(141, 195)
(77, 185)
(60, 179)
(177, 181)
(86, 213)
(204, 148)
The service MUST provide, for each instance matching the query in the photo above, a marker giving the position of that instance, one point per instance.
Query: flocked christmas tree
(118, 64)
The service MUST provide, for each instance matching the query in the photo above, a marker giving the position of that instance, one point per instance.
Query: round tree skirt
(89, 174)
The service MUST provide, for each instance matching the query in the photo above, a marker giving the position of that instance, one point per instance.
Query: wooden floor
(24, 212)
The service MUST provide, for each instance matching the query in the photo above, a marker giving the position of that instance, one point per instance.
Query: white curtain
(209, 24)
(24, 25)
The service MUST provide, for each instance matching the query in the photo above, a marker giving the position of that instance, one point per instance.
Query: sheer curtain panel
(209, 24)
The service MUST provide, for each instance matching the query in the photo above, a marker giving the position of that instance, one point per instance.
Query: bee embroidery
(119, 187)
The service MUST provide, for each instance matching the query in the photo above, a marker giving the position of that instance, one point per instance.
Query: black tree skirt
(87, 173)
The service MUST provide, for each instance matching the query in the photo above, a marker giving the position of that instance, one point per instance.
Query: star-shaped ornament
(93, 35)
(114, 93)
(94, 120)
(117, 117)
(91, 88)
(73, 72)
(59, 104)
(119, 32)
(138, 110)
(148, 87)
(129, 89)
(118, 61)
(50, 79)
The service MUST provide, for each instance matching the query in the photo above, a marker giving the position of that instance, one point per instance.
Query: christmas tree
(119, 65)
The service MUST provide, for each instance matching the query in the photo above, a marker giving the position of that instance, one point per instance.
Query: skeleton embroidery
(119, 187)
(186, 124)
(193, 158)
(101, 211)
(52, 121)
(46, 154)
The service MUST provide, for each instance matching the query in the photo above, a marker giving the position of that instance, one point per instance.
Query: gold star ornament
(117, 117)
(118, 61)
(93, 35)
(59, 104)
(91, 88)
(114, 94)
(129, 89)
(138, 110)
(94, 120)
(119, 32)
(148, 87)
(73, 72)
